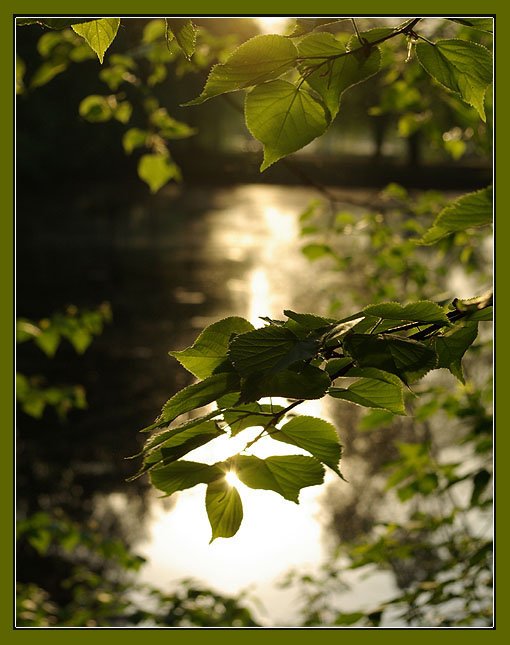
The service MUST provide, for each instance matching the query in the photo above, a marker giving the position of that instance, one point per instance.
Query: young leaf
(224, 509)
(199, 394)
(156, 170)
(284, 118)
(183, 474)
(269, 350)
(316, 436)
(309, 383)
(210, 348)
(469, 211)
(335, 75)
(99, 34)
(423, 311)
(408, 359)
(461, 66)
(259, 59)
(285, 475)
(375, 389)
(185, 34)
(452, 346)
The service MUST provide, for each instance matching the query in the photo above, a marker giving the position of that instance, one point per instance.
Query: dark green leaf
(316, 436)
(469, 211)
(484, 24)
(452, 346)
(480, 315)
(424, 311)
(285, 475)
(250, 415)
(480, 483)
(183, 474)
(260, 59)
(461, 66)
(224, 509)
(210, 348)
(335, 75)
(269, 350)
(284, 118)
(375, 389)
(184, 442)
(199, 394)
(185, 34)
(99, 34)
(167, 433)
(309, 383)
(310, 322)
(408, 359)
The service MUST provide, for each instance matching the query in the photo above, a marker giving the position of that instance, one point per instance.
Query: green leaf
(335, 75)
(199, 394)
(185, 34)
(48, 340)
(316, 436)
(250, 415)
(167, 433)
(183, 442)
(269, 350)
(182, 475)
(480, 483)
(224, 509)
(334, 365)
(315, 251)
(309, 383)
(284, 118)
(96, 108)
(305, 25)
(156, 170)
(210, 348)
(310, 322)
(375, 389)
(99, 34)
(408, 359)
(461, 66)
(52, 23)
(285, 475)
(452, 346)
(469, 211)
(423, 311)
(484, 24)
(259, 59)
(480, 315)
(134, 138)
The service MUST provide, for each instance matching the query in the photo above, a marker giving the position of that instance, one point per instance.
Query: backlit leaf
(269, 350)
(469, 211)
(259, 59)
(156, 170)
(461, 66)
(284, 118)
(285, 475)
(316, 436)
(408, 359)
(424, 311)
(484, 24)
(183, 474)
(210, 348)
(250, 415)
(185, 34)
(335, 75)
(375, 389)
(99, 34)
(199, 394)
(224, 509)
(452, 346)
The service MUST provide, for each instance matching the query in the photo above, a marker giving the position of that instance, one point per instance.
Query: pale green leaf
(422, 311)
(462, 66)
(316, 436)
(185, 34)
(285, 475)
(315, 251)
(224, 509)
(199, 394)
(182, 475)
(183, 442)
(99, 34)
(210, 348)
(375, 389)
(483, 24)
(250, 415)
(156, 170)
(332, 76)
(306, 25)
(469, 211)
(284, 118)
(408, 359)
(269, 350)
(134, 138)
(452, 346)
(96, 108)
(259, 59)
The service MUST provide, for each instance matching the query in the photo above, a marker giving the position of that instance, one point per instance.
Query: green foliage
(157, 169)
(184, 32)
(375, 389)
(99, 34)
(461, 66)
(224, 509)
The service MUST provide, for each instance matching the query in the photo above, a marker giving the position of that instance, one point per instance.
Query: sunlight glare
(271, 24)
(232, 479)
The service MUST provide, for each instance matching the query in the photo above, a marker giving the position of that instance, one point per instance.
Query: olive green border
(218, 8)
